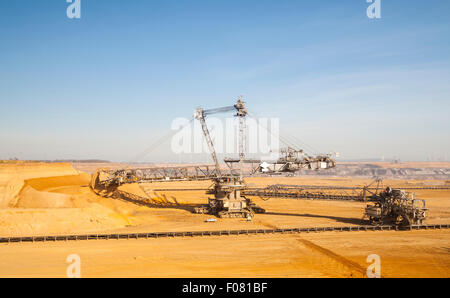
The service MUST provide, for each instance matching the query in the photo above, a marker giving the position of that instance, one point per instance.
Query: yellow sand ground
(64, 204)
(331, 254)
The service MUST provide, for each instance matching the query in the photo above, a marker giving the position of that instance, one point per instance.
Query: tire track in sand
(355, 269)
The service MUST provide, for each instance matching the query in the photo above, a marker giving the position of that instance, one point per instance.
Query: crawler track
(213, 233)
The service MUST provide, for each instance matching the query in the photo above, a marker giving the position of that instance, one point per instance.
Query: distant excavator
(397, 207)
(291, 160)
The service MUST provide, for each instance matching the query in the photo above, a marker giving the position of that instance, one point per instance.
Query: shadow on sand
(163, 202)
(354, 221)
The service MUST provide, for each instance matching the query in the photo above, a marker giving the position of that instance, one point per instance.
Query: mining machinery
(395, 206)
(386, 206)
(228, 200)
(227, 190)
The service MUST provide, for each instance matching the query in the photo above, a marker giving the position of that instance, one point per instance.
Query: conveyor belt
(215, 233)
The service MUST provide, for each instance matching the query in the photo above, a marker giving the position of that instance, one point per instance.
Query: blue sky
(106, 85)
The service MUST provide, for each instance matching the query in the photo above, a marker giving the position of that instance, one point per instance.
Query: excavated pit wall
(14, 177)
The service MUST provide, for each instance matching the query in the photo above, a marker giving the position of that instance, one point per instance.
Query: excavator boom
(200, 114)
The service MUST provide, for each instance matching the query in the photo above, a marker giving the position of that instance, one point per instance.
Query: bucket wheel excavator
(396, 206)
(228, 201)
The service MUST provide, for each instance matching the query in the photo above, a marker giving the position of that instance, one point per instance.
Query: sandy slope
(58, 202)
(13, 176)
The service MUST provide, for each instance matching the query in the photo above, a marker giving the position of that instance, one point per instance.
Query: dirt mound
(59, 205)
(13, 176)
(50, 192)
(32, 198)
